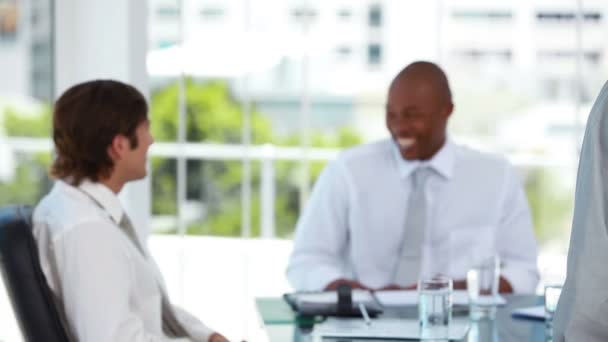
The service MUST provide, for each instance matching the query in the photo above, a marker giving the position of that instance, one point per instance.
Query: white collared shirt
(108, 290)
(354, 223)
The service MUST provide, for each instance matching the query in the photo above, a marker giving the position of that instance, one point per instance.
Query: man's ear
(449, 109)
(118, 147)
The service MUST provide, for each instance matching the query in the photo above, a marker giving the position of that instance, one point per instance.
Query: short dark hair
(429, 71)
(86, 118)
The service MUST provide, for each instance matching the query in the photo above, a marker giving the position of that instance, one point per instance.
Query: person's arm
(197, 330)
(333, 285)
(515, 239)
(96, 282)
(393, 287)
(504, 286)
(321, 233)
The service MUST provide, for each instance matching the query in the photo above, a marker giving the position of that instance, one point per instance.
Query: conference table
(282, 325)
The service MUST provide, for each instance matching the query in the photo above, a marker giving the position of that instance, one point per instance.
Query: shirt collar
(442, 162)
(105, 197)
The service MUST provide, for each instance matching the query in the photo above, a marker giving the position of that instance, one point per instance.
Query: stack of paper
(329, 297)
(383, 328)
(410, 297)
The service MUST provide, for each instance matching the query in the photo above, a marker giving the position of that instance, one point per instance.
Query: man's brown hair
(86, 118)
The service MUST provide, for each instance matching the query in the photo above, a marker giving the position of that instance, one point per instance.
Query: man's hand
(459, 284)
(353, 284)
(505, 286)
(215, 337)
(398, 287)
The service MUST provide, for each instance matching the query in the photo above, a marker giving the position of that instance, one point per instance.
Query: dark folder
(333, 303)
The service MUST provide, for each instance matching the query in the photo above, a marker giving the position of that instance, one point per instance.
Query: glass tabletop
(283, 325)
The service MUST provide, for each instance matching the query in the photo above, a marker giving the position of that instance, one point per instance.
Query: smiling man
(384, 214)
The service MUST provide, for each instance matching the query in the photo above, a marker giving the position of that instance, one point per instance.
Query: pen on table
(364, 313)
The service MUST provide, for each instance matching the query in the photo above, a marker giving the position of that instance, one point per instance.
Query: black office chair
(31, 297)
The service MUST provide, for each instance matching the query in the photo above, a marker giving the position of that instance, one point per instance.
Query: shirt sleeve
(96, 283)
(515, 237)
(197, 330)
(321, 233)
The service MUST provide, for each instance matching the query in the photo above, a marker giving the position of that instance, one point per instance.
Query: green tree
(213, 115)
(34, 125)
(550, 203)
(31, 180)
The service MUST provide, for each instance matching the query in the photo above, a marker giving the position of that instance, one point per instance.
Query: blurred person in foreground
(97, 264)
(582, 310)
(383, 214)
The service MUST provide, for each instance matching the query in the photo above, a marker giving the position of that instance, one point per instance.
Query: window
(593, 17)
(344, 52)
(345, 14)
(212, 13)
(34, 17)
(8, 20)
(165, 43)
(374, 54)
(167, 12)
(479, 54)
(483, 15)
(303, 14)
(375, 15)
(561, 17)
(556, 55)
(26, 90)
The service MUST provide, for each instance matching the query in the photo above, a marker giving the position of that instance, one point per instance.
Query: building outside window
(375, 15)
(374, 54)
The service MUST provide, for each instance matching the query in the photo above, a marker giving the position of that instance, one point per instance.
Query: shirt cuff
(304, 279)
(196, 329)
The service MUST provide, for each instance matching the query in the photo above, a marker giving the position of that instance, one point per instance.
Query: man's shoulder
(369, 154)
(474, 158)
(64, 208)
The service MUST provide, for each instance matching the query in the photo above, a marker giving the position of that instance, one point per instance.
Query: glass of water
(435, 307)
(552, 293)
(482, 287)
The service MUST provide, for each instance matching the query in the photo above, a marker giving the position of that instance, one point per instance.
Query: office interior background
(249, 99)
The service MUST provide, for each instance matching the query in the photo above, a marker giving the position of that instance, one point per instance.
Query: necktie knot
(420, 177)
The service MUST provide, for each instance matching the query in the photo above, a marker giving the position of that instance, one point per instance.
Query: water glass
(435, 307)
(482, 287)
(552, 293)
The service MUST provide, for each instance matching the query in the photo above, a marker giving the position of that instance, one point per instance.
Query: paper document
(330, 297)
(383, 328)
(410, 297)
(534, 313)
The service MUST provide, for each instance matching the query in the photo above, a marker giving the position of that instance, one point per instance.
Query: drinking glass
(552, 293)
(435, 307)
(482, 287)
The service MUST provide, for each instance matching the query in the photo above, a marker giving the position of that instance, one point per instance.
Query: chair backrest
(30, 295)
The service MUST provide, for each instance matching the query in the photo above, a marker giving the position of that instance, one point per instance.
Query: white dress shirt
(108, 290)
(582, 311)
(354, 223)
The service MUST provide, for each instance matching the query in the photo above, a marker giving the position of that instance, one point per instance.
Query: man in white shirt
(582, 309)
(383, 214)
(97, 264)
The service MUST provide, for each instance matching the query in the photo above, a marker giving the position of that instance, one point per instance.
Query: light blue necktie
(171, 326)
(409, 263)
